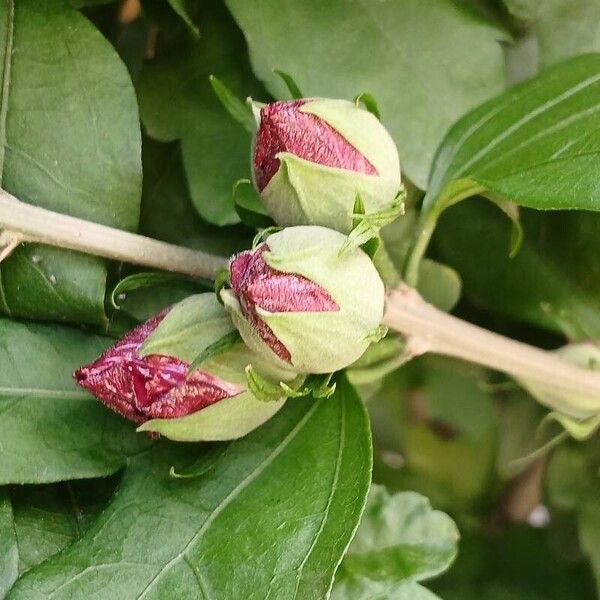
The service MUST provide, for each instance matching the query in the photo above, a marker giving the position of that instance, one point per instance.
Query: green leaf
(49, 518)
(146, 280)
(178, 103)
(167, 210)
(9, 553)
(547, 284)
(71, 143)
(534, 145)
(249, 206)
(401, 537)
(277, 509)
(50, 429)
(420, 93)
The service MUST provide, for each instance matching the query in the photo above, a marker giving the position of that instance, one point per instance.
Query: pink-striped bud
(312, 157)
(146, 375)
(152, 387)
(303, 305)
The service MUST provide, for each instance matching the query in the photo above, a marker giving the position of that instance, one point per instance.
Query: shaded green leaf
(278, 509)
(180, 7)
(48, 518)
(71, 143)
(9, 554)
(177, 102)
(50, 429)
(420, 93)
(549, 283)
(563, 28)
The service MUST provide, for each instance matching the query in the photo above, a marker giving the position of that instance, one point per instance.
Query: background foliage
(107, 113)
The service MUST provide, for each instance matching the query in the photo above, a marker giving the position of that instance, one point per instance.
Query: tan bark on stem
(35, 224)
(426, 328)
(440, 333)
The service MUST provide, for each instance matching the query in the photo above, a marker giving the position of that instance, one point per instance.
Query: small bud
(578, 406)
(157, 391)
(301, 304)
(313, 157)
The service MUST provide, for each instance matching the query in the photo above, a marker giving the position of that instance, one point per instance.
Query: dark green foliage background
(113, 119)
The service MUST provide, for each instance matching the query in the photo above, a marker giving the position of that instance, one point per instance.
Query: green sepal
(233, 105)
(365, 228)
(221, 281)
(377, 334)
(266, 390)
(148, 279)
(369, 102)
(188, 328)
(579, 429)
(290, 83)
(261, 388)
(263, 234)
(319, 386)
(221, 345)
(248, 205)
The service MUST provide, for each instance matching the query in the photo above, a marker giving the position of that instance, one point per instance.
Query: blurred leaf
(339, 50)
(573, 483)
(180, 7)
(361, 588)
(148, 280)
(50, 429)
(167, 210)
(552, 282)
(564, 28)
(518, 424)
(48, 518)
(400, 540)
(71, 143)
(589, 533)
(9, 554)
(450, 463)
(514, 564)
(177, 102)
(278, 509)
(456, 397)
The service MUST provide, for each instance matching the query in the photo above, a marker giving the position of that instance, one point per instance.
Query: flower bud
(312, 157)
(156, 390)
(578, 406)
(301, 304)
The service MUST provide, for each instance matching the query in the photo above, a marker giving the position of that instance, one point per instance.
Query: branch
(427, 328)
(440, 333)
(27, 223)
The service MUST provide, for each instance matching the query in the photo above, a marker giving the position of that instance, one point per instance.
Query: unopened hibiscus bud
(145, 376)
(313, 157)
(301, 304)
(578, 406)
